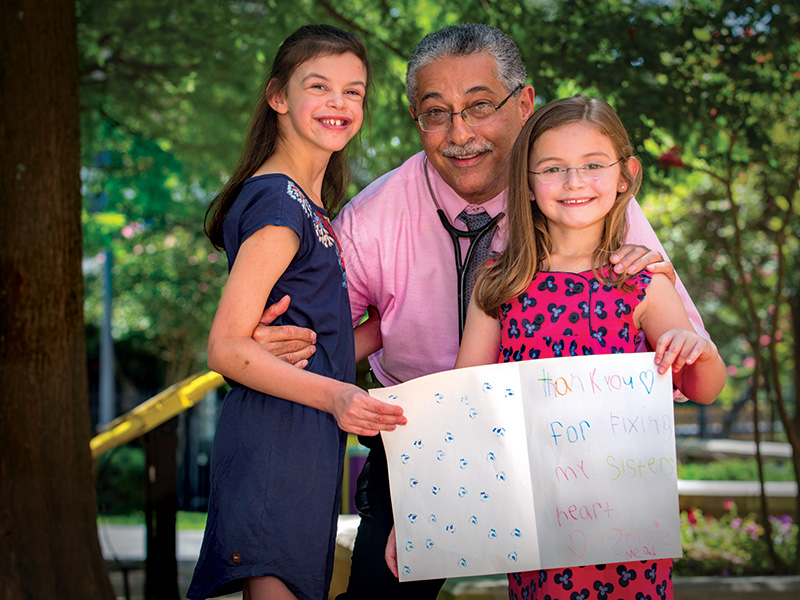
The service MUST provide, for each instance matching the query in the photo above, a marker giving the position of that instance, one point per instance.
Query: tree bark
(48, 533)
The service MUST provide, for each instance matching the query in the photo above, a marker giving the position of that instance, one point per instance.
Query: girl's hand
(357, 412)
(390, 555)
(678, 347)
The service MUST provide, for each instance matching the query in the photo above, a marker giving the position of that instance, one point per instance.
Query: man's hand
(390, 554)
(294, 345)
(631, 259)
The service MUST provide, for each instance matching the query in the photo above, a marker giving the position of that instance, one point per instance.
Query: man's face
(473, 161)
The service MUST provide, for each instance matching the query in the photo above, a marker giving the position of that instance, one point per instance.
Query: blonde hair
(528, 249)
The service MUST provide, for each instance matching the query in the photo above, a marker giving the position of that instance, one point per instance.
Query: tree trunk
(48, 532)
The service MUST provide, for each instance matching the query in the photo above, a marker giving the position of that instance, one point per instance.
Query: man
(467, 88)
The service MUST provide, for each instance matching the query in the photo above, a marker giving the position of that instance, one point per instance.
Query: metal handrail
(157, 410)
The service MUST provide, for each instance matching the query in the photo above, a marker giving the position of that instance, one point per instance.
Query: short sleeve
(270, 206)
(266, 200)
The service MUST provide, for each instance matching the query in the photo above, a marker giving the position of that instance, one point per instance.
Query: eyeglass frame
(580, 169)
(462, 111)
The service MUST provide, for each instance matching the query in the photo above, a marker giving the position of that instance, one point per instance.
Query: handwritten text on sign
(538, 464)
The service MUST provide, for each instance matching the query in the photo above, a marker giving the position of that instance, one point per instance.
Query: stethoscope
(456, 234)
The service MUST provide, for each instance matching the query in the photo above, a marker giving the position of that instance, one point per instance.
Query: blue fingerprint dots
(450, 528)
(407, 570)
(463, 463)
(509, 392)
(392, 396)
(498, 431)
(473, 520)
(440, 454)
(462, 562)
(418, 444)
(512, 557)
(464, 399)
(429, 543)
(412, 517)
(472, 413)
(413, 482)
(501, 476)
(439, 398)
(462, 491)
(491, 457)
(435, 490)
(516, 533)
(486, 387)
(492, 534)
(448, 437)
(432, 519)
(409, 546)
(405, 458)
(484, 496)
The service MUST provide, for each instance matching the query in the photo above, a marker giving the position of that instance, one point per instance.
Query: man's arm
(367, 335)
(348, 232)
(641, 232)
(292, 344)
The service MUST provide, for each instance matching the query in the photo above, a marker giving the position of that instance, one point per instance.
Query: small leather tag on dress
(237, 558)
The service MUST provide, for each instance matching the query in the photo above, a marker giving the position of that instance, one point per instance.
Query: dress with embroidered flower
(572, 314)
(276, 467)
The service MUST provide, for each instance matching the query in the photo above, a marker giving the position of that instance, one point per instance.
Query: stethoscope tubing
(456, 235)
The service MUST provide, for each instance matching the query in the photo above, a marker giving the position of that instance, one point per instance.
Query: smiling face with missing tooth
(473, 161)
(322, 105)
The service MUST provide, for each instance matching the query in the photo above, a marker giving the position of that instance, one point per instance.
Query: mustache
(456, 151)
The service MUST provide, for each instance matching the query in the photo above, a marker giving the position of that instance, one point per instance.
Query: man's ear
(526, 98)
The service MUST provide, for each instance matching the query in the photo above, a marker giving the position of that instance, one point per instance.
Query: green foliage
(736, 470)
(121, 482)
(185, 521)
(710, 92)
(733, 545)
(166, 287)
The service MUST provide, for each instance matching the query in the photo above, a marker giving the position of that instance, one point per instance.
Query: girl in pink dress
(552, 293)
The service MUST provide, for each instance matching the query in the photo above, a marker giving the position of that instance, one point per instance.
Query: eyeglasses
(476, 115)
(590, 170)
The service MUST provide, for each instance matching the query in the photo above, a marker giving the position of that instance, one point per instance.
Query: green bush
(120, 482)
(736, 470)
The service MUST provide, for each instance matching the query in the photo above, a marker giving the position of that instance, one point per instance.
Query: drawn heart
(647, 378)
(576, 542)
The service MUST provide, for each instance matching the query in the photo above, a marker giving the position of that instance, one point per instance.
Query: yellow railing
(152, 413)
(173, 401)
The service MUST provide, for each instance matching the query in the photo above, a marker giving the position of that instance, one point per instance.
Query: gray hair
(465, 40)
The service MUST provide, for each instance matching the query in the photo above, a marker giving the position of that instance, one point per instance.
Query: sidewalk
(126, 543)
(124, 546)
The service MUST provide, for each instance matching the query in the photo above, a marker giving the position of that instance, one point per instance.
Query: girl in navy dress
(552, 293)
(278, 457)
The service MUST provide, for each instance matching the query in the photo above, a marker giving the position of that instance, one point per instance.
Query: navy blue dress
(276, 467)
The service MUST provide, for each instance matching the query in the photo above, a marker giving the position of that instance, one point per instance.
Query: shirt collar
(452, 204)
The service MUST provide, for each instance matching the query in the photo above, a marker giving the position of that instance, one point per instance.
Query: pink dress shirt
(400, 260)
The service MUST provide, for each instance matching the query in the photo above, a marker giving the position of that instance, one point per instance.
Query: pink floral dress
(572, 314)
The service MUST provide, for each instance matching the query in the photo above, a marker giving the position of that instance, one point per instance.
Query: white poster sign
(536, 464)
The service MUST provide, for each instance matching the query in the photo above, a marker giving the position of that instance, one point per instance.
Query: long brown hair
(528, 249)
(306, 43)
